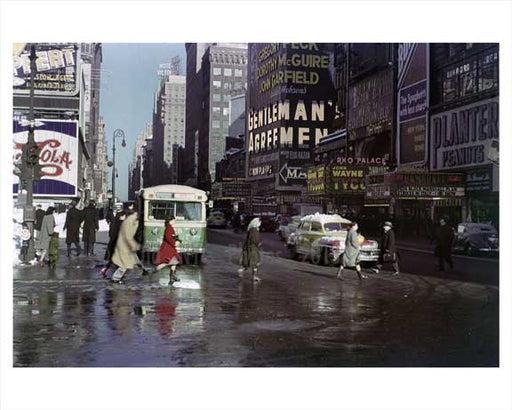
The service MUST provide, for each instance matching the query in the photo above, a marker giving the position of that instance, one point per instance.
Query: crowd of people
(443, 236)
(125, 237)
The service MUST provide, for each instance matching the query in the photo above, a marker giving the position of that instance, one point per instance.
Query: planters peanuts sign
(58, 140)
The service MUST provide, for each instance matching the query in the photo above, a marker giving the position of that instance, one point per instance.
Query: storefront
(416, 200)
(462, 141)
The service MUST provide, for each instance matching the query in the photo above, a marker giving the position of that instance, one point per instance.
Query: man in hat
(387, 249)
(444, 239)
(74, 219)
(91, 226)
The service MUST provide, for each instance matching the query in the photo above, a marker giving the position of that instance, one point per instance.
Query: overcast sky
(129, 81)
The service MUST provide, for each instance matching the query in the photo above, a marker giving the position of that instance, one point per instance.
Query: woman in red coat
(168, 254)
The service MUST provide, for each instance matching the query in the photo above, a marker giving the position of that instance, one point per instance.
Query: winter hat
(387, 223)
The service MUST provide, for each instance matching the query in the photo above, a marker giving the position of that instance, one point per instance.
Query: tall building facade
(168, 126)
(136, 166)
(100, 163)
(174, 117)
(91, 56)
(222, 74)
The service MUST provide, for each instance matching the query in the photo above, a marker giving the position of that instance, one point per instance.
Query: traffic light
(33, 154)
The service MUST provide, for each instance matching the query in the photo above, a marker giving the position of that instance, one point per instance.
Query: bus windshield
(182, 211)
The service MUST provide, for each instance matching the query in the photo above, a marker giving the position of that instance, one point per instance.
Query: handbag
(388, 257)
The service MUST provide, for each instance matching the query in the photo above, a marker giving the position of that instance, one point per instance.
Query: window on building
(470, 76)
(225, 124)
(238, 85)
(217, 71)
(216, 97)
(225, 111)
(216, 110)
(227, 86)
(228, 72)
(217, 84)
(215, 124)
(238, 72)
(226, 97)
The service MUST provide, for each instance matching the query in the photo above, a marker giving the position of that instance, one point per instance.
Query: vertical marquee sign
(412, 102)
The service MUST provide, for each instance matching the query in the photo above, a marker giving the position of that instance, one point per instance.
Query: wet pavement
(298, 315)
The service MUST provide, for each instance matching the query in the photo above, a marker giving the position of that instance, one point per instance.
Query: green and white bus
(187, 205)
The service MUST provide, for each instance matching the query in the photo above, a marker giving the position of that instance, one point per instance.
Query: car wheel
(469, 250)
(317, 257)
(326, 258)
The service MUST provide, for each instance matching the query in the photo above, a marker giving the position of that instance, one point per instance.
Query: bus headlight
(154, 231)
(193, 232)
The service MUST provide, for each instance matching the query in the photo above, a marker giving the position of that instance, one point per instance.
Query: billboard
(58, 140)
(412, 102)
(370, 105)
(463, 137)
(291, 105)
(57, 70)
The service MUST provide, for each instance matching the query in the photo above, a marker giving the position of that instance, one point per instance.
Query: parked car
(476, 238)
(217, 219)
(322, 239)
(291, 227)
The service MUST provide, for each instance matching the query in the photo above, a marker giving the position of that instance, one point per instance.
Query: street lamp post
(29, 171)
(118, 133)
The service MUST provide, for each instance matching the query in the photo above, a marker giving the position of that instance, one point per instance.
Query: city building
(174, 117)
(100, 165)
(91, 58)
(136, 166)
(464, 127)
(210, 86)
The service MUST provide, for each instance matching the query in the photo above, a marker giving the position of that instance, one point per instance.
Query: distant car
(322, 239)
(291, 227)
(217, 219)
(476, 238)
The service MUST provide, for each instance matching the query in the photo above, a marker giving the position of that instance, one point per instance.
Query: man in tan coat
(125, 256)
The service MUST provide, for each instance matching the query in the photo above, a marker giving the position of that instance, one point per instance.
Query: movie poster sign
(316, 180)
(412, 102)
(462, 137)
(57, 69)
(58, 140)
(290, 107)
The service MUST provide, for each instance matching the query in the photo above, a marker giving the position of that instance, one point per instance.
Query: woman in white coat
(47, 229)
(125, 256)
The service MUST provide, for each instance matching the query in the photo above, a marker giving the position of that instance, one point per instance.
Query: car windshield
(333, 227)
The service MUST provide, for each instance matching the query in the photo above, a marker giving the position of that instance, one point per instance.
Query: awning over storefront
(414, 186)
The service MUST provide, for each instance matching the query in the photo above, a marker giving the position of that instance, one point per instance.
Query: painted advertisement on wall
(58, 140)
(412, 86)
(291, 105)
(57, 71)
(462, 137)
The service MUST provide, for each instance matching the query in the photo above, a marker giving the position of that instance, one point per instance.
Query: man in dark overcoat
(91, 225)
(444, 239)
(387, 246)
(74, 219)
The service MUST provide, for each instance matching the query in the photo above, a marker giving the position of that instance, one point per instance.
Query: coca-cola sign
(58, 140)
